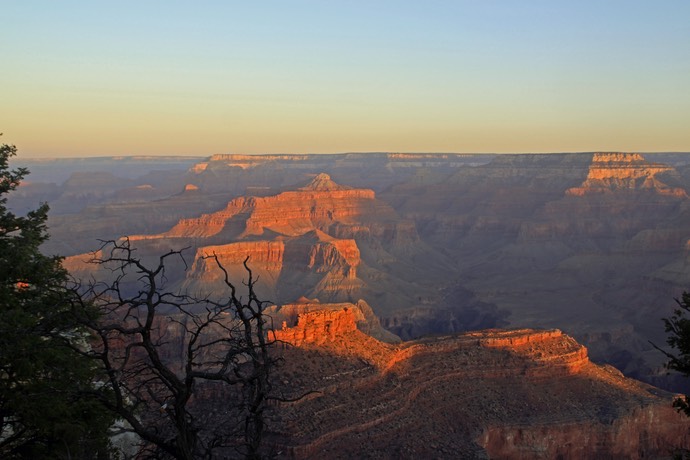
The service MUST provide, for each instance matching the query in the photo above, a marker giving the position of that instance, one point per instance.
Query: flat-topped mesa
(264, 258)
(536, 354)
(505, 394)
(363, 316)
(286, 267)
(624, 171)
(305, 254)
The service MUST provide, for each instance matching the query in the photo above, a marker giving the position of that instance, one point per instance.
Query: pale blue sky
(111, 78)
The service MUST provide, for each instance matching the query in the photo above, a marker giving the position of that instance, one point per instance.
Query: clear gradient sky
(83, 78)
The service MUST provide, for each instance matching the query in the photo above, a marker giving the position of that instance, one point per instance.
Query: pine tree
(44, 380)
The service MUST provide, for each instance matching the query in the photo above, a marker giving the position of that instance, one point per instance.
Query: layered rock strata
(318, 205)
(624, 171)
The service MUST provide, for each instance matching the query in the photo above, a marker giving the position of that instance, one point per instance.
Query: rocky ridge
(488, 394)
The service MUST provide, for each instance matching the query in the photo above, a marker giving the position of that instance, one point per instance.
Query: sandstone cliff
(587, 242)
(328, 231)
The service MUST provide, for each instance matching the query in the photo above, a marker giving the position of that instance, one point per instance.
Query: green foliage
(45, 411)
(678, 327)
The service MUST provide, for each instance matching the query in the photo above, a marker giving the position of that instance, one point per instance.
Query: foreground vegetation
(81, 363)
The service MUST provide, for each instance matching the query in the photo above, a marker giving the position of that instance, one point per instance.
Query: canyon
(423, 245)
(594, 244)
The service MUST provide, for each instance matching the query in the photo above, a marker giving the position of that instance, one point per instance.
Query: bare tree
(188, 374)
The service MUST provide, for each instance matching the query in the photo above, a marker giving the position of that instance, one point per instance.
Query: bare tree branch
(160, 351)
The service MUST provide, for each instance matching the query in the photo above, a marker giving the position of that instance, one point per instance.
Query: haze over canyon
(403, 256)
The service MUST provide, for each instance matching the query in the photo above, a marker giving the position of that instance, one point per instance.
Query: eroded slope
(495, 393)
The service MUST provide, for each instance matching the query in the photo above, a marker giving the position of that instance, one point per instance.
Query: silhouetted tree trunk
(165, 355)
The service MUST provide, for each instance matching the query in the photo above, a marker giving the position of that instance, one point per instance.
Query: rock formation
(585, 242)
(489, 394)
(317, 327)
(314, 264)
(624, 171)
(591, 243)
(312, 322)
(320, 204)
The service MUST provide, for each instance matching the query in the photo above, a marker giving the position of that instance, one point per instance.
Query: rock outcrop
(312, 322)
(318, 326)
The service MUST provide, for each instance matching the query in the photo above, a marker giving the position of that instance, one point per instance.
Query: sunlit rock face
(610, 172)
(622, 195)
(487, 394)
(317, 327)
(320, 204)
(591, 243)
(299, 242)
(308, 321)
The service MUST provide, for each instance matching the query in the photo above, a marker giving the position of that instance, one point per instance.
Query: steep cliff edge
(313, 264)
(622, 195)
(328, 231)
(495, 393)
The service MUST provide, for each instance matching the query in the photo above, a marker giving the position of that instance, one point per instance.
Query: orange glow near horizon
(462, 77)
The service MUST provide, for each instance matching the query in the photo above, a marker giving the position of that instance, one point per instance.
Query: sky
(91, 78)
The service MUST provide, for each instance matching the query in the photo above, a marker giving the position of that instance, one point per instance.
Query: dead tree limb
(165, 355)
